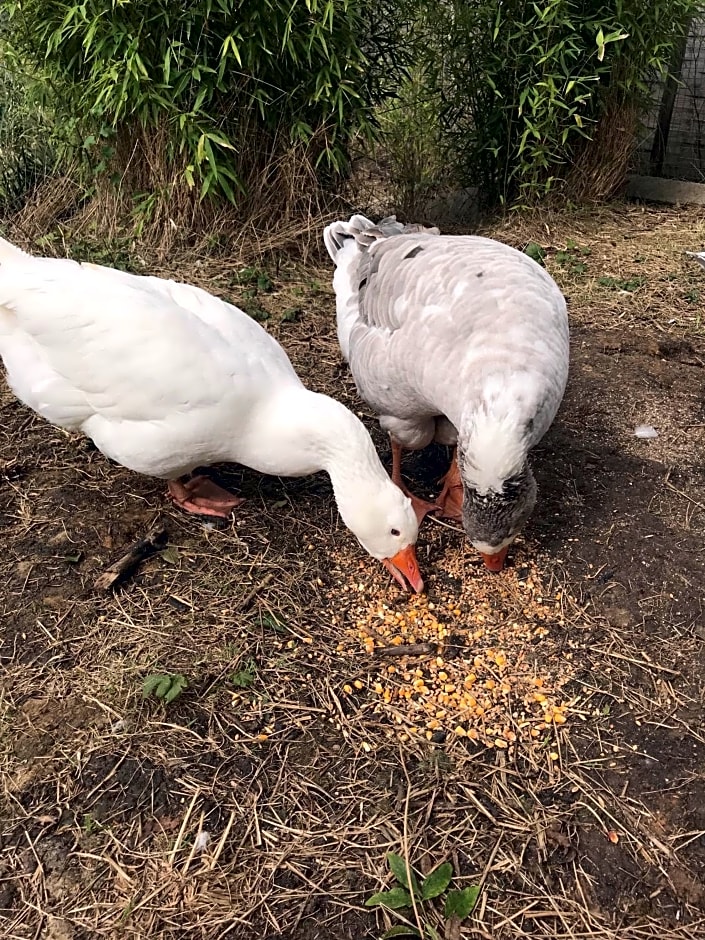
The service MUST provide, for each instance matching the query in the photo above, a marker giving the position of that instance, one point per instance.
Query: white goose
(458, 339)
(164, 377)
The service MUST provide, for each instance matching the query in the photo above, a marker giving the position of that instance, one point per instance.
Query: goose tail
(338, 233)
(366, 233)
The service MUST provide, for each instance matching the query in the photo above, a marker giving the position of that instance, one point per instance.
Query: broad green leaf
(150, 684)
(178, 684)
(535, 252)
(163, 687)
(397, 866)
(462, 903)
(394, 899)
(400, 930)
(436, 883)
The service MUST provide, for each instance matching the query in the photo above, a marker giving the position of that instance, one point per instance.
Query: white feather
(165, 377)
(645, 431)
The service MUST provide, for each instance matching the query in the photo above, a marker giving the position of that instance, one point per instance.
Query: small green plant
(624, 284)
(255, 282)
(253, 309)
(165, 686)
(243, 678)
(569, 257)
(535, 252)
(412, 893)
(253, 276)
(269, 620)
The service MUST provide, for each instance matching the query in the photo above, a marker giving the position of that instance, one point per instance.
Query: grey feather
(461, 332)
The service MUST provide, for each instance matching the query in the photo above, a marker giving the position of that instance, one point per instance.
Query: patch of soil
(626, 517)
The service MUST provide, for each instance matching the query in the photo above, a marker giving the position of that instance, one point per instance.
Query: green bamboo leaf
(394, 899)
(436, 883)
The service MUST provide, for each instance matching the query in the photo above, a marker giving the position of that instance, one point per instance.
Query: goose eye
(396, 532)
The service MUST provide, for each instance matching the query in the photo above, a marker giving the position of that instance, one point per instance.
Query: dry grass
(301, 785)
(147, 203)
(626, 268)
(601, 167)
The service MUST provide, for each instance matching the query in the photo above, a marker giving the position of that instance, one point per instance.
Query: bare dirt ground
(302, 746)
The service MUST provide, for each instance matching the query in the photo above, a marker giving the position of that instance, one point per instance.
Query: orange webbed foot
(203, 497)
(421, 507)
(450, 499)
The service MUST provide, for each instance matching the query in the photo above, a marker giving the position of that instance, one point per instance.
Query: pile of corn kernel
(486, 663)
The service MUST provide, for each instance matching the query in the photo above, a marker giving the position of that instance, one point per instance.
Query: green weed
(459, 903)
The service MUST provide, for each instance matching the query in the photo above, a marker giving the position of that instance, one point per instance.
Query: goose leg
(450, 499)
(421, 506)
(203, 497)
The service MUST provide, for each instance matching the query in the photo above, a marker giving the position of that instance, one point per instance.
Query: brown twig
(120, 569)
(250, 596)
(407, 649)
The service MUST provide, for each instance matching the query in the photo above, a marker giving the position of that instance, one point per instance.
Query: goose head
(493, 518)
(384, 523)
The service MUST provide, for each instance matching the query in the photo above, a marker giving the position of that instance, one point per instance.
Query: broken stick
(120, 569)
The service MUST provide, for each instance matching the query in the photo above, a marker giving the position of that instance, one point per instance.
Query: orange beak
(495, 562)
(404, 568)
